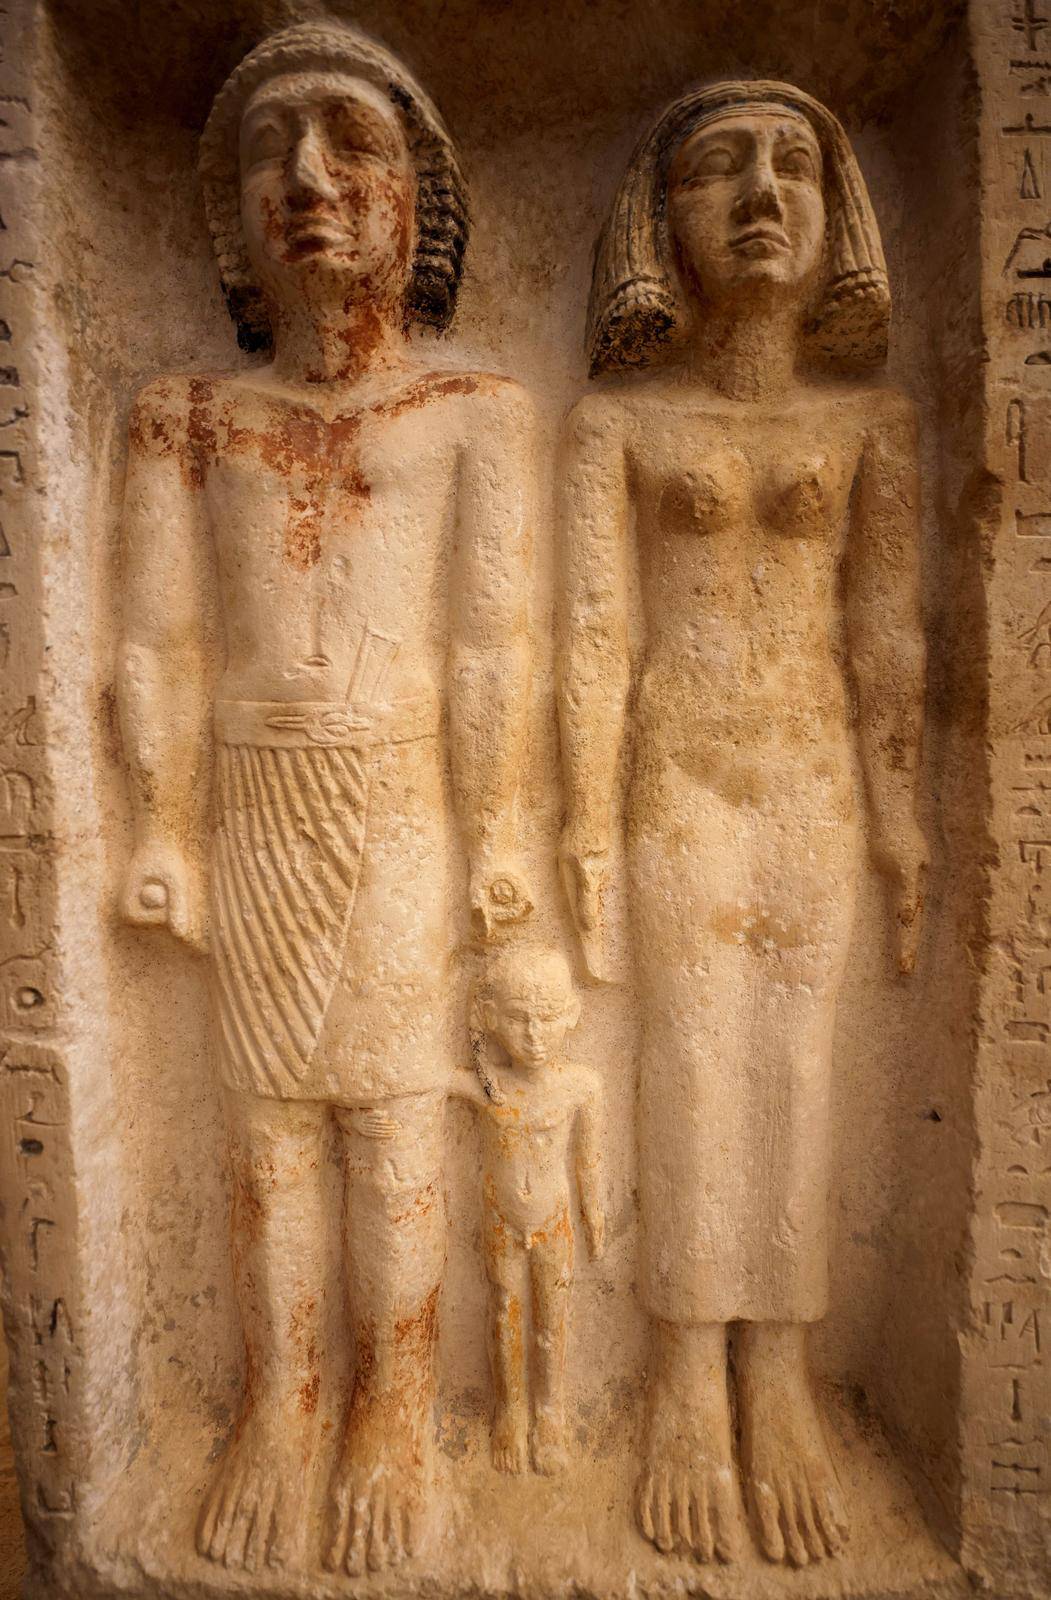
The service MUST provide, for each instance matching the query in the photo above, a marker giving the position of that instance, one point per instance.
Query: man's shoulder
(483, 394)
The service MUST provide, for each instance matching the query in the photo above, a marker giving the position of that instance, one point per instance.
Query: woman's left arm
(886, 649)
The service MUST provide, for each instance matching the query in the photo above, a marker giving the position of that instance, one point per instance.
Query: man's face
(328, 189)
(531, 1022)
(745, 204)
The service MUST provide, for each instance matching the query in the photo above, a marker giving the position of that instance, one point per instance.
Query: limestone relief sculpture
(762, 491)
(326, 571)
(539, 1115)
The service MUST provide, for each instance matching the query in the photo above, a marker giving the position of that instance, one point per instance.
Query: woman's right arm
(595, 663)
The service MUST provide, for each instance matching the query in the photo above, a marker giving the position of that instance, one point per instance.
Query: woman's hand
(904, 862)
(584, 865)
(162, 890)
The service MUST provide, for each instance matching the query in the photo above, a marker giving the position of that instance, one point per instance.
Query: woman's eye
(717, 163)
(797, 164)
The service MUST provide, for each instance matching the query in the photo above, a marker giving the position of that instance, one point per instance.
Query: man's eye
(350, 137)
(267, 144)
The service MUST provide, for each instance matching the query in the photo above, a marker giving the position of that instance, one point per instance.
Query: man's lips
(322, 230)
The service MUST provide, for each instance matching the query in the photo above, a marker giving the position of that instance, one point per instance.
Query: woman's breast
(800, 494)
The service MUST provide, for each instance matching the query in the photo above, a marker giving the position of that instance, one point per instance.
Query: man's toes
(240, 1532)
(277, 1548)
(412, 1530)
(258, 1536)
(355, 1559)
(223, 1536)
(377, 1552)
(206, 1522)
(338, 1530)
(771, 1539)
(392, 1526)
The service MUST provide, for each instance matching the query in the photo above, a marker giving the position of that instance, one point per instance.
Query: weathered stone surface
(524, 1043)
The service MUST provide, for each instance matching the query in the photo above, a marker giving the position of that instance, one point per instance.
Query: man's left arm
(490, 656)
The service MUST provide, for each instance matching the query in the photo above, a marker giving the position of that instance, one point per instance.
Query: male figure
(327, 557)
(531, 1113)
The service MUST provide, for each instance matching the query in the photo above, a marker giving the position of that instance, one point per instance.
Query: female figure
(770, 502)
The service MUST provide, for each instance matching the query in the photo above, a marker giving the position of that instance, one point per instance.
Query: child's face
(532, 1023)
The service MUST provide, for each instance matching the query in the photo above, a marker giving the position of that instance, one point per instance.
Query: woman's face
(327, 186)
(745, 205)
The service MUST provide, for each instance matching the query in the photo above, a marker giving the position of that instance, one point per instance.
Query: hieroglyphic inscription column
(36, 1176)
(1007, 1357)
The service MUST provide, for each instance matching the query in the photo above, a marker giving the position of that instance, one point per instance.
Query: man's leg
(551, 1268)
(395, 1240)
(254, 1505)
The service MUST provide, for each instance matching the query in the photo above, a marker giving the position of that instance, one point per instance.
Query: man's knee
(273, 1144)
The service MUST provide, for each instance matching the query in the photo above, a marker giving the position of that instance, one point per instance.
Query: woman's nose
(760, 195)
(307, 174)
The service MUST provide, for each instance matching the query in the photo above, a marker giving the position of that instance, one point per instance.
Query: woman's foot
(687, 1496)
(791, 1480)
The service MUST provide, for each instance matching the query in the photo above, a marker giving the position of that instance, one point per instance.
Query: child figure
(530, 1112)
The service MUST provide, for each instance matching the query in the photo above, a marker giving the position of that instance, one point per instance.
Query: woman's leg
(687, 1494)
(792, 1483)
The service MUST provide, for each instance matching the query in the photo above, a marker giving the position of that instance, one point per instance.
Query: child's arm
(587, 1136)
(464, 1085)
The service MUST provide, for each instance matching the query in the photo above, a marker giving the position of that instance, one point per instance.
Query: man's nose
(307, 175)
(760, 195)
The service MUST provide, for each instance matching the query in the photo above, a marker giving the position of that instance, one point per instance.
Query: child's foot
(509, 1439)
(549, 1443)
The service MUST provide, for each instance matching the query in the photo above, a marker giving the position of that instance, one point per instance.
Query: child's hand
(595, 1230)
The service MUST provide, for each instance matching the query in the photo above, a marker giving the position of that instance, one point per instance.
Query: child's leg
(551, 1270)
(504, 1269)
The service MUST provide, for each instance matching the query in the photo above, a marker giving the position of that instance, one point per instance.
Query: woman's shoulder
(873, 405)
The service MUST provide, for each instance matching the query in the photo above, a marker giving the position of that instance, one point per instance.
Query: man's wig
(636, 299)
(441, 204)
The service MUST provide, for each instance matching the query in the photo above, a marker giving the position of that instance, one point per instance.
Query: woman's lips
(761, 239)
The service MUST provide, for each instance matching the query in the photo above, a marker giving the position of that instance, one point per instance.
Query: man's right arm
(163, 670)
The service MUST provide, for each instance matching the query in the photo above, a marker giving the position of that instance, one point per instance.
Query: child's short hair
(515, 967)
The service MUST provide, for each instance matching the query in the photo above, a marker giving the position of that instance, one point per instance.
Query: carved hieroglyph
(743, 250)
(326, 569)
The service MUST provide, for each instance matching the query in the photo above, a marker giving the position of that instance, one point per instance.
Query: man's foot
(549, 1442)
(254, 1506)
(686, 1496)
(509, 1439)
(379, 1493)
(792, 1483)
